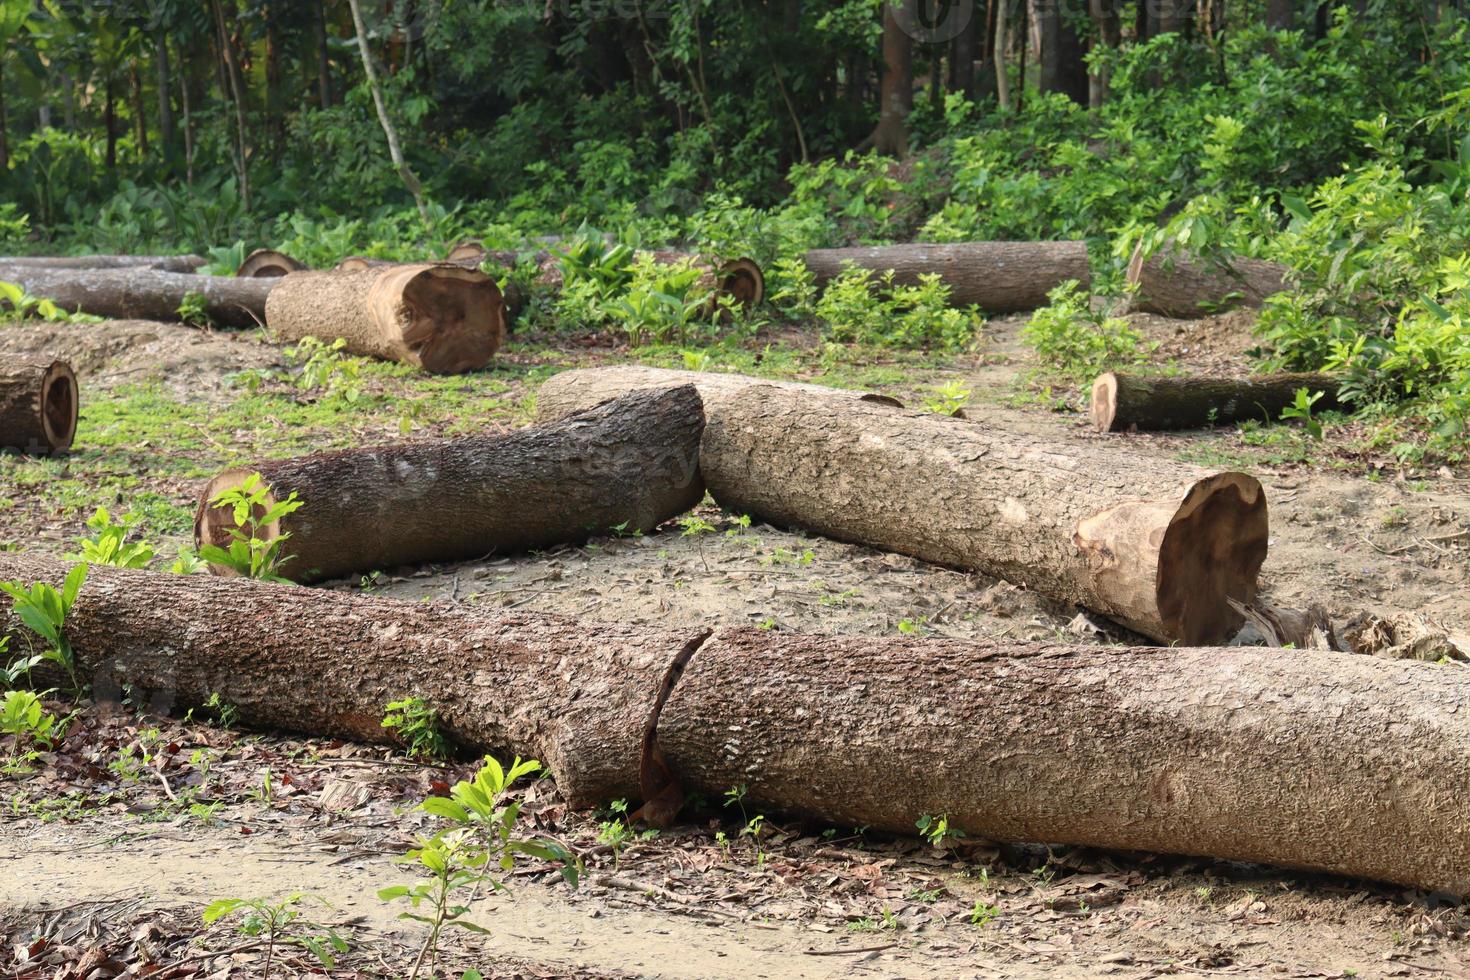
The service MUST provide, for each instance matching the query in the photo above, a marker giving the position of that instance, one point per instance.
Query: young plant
(194, 310)
(44, 610)
(327, 367)
(18, 303)
(417, 727)
(23, 717)
(279, 923)
(753, 827)
(696, 527)
(949, 398)
(1302, 409)
(1076, 342)
(110, 546)
(937, 830)
(249, 554)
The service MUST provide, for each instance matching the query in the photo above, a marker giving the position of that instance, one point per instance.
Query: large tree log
(1154, 545)
(139, 293)
(161, 263)
(998, 277)
(1172, 283)
(39, 400)
(633, 462)
(265, 263)
(1325, 761)
(327, 663)
(1121, 402)
(441, 318)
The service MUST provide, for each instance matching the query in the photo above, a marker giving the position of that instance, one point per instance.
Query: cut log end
(59, 401)
(1213, 550)
(743, 280)
(1104, 402)
(265, 263)
(451, 319)
(469, 250)
(213, 525)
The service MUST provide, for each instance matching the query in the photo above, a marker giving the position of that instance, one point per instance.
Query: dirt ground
(100, 856)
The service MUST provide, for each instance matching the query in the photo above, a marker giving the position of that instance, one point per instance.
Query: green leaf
(448, 809)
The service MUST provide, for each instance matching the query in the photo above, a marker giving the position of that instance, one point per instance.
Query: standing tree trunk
(237, 89)
(1279, 15)
(962, 57)
(1062, 66)
(109, 122)
(1109, 29)
(405, 172)
(1002, 79)
(140, 119)
(323, 56)
(442, 318)
(896, 91)
(165, 90)
(39, 400)
(4, 121)
(631, 463)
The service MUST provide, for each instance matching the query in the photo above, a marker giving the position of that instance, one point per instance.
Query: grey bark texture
(1174, 284)
(998, 277)
(161, 263)
(633, 461)
(141, 293)
(442, 318)
(1158, 547)
(39, 402)
(1124, 402)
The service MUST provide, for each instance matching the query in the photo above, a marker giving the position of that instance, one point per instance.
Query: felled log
(441, 318)
(358, 263)
(161, 263)
(140, 293)
(39, 399)
(1121, 402)
(1173, 283)
(632, 463)
(266, 263)
(998, 277)
(1156, 546)
(1322, 761)
(573, 694)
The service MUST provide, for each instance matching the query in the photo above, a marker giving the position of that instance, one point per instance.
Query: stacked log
(1128, 402)
(141, 293)
(160, 263)
(631, 463)
(265, 263)
(1158, 547)
(1174, 283)
(39, 402)
(998, 277)
(442, 318)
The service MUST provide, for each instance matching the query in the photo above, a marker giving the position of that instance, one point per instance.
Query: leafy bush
(1076, 341)
(862, 306)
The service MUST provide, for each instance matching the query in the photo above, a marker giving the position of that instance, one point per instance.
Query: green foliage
(326, 367)
(253, 509)
(23, 717)
(751, 826)
(937, 829)
(110, 546)
(194, 309)
(277, 923)
(1301, 408)
(862, 306)
(948, 398)
(982, 913)
(44, 610)
(416, 725)
(17, 303)
(1076, 341)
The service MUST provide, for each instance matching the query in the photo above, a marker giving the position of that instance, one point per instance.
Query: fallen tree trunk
(1159, 547)
(1176, 284)
(441, 318)
(359, 263)
(39, 400)
(1324, 761)
(160, 263)
(139, 293)
(998, 277)
(265, 263)
(1121, 402)
(575, 695)
(632, 463)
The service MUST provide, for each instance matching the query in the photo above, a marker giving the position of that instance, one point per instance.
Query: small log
(265, 263)
(160, 263)
(1173, 283)
(1323, 761)
(632, 462)
(1156, 546)
(140, 293)
(998, 277)
(359, 263)
(441, 318)
(39, 401)
(471, 249)
(1124, 402)
(576, 695)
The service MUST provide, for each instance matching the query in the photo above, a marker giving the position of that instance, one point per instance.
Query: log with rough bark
(998, 277)
(1159, 547)
(1123, 402)
(160, 263)
(631, 463)
(573, 694)
(140, 293)
(441, 318)
(1175, 284)
(265, 263)
(39, 399)
(1315, 760)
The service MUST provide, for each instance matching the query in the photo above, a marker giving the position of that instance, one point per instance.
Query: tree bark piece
(1158, 547)
(1315, 760)
(998, 277)
(1175, 284)
(140, 293)
(161, 263)
(632, 462)
(1124, 402)
(575, 695)
(266, 263)
(39, 400)
(441, 318)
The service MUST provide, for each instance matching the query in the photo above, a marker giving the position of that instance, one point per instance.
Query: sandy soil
(680, 905)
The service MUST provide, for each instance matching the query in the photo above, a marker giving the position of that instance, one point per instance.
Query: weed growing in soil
(111, 546)
(416, 725)
(44, 610)
(278, 923)
(1077, 342)
(753, 827)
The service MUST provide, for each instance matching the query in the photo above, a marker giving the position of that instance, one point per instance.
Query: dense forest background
(1331, 136)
